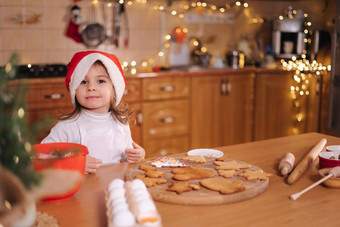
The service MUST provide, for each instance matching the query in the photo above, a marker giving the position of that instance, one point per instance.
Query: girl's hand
(92, 164)
(136, 154)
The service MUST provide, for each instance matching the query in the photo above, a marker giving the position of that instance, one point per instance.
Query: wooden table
(272, 208)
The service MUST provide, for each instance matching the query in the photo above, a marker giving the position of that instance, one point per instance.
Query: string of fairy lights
(166, 7)
(303, 71)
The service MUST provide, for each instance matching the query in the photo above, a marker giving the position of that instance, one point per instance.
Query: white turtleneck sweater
(105, 137)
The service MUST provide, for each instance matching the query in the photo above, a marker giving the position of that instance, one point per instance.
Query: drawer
(165, 118)
(48, 96)
(132, 91)
(163, 88)
(166, 146)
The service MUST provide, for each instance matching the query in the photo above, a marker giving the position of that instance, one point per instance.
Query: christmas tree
(15, 141)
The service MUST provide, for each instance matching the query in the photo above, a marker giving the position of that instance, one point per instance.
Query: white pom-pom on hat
(80, 64)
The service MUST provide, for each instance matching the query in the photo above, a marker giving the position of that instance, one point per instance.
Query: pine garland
(15, 141)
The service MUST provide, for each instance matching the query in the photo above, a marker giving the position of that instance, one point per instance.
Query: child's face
(95, 92)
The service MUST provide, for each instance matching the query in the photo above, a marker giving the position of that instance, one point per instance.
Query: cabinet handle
(222, 87)
(225, 87)
(167, 88)
(317, 89)
(228, 88)
(139, 118)
(54, 96)
(167, 120)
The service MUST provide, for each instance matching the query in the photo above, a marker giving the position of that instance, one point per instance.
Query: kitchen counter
(272, 208)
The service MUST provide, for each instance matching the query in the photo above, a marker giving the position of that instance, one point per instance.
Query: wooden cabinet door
(206, 111)
(237, 109)
(313, 105)
(222, 108)
(274, 110)
(166, 146)
(136, 129)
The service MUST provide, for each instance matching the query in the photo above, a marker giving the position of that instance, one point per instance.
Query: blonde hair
(120, 112)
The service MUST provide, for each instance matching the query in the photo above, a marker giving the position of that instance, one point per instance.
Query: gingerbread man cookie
(226, 173)
(255, 175)
(154, 173)
(195, 158)
(150, 182)
(192, 172)
(231, 165)
(183, 186)
(147, 167)
(223, 185)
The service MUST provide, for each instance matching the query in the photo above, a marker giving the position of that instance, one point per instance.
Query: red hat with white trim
(80, 64)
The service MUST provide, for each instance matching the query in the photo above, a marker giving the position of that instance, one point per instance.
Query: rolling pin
(286, 164)
(304, 164)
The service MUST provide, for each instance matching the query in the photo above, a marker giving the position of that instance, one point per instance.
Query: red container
(66, 156)
(334, 148)
(329, 159)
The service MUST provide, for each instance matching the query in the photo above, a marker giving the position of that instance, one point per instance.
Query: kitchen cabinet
(179, 111)
(165, 109)
(45, 99)
(132, 97)
(277, 114)
(222, 109)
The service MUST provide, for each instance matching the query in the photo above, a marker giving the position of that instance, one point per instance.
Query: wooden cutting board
(202, 196)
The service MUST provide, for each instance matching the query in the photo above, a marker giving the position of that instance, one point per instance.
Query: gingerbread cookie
(223, 185)
(150, 182)
(195, 158)
(226, 173)
(222, 158)
(255, 175)
(192, 172)
(183, 186)
(154, 173)
(231, 165)
(147, 167)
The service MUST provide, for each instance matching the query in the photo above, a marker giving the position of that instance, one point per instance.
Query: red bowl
(329, 159)
(334, 148)
(65, 156)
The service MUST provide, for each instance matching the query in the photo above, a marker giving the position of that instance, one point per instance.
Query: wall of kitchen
(36, 28)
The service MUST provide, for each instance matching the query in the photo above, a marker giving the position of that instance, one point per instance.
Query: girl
(96, 83)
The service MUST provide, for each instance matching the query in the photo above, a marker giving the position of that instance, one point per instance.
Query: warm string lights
(307, 25)
(181, 8)
(200, 6)
(303, 68)
(301, 82)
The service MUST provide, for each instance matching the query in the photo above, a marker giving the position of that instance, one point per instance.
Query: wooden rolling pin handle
(286, 164)
(305, 163)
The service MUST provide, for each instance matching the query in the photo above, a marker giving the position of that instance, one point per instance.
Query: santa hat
(80, 64)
